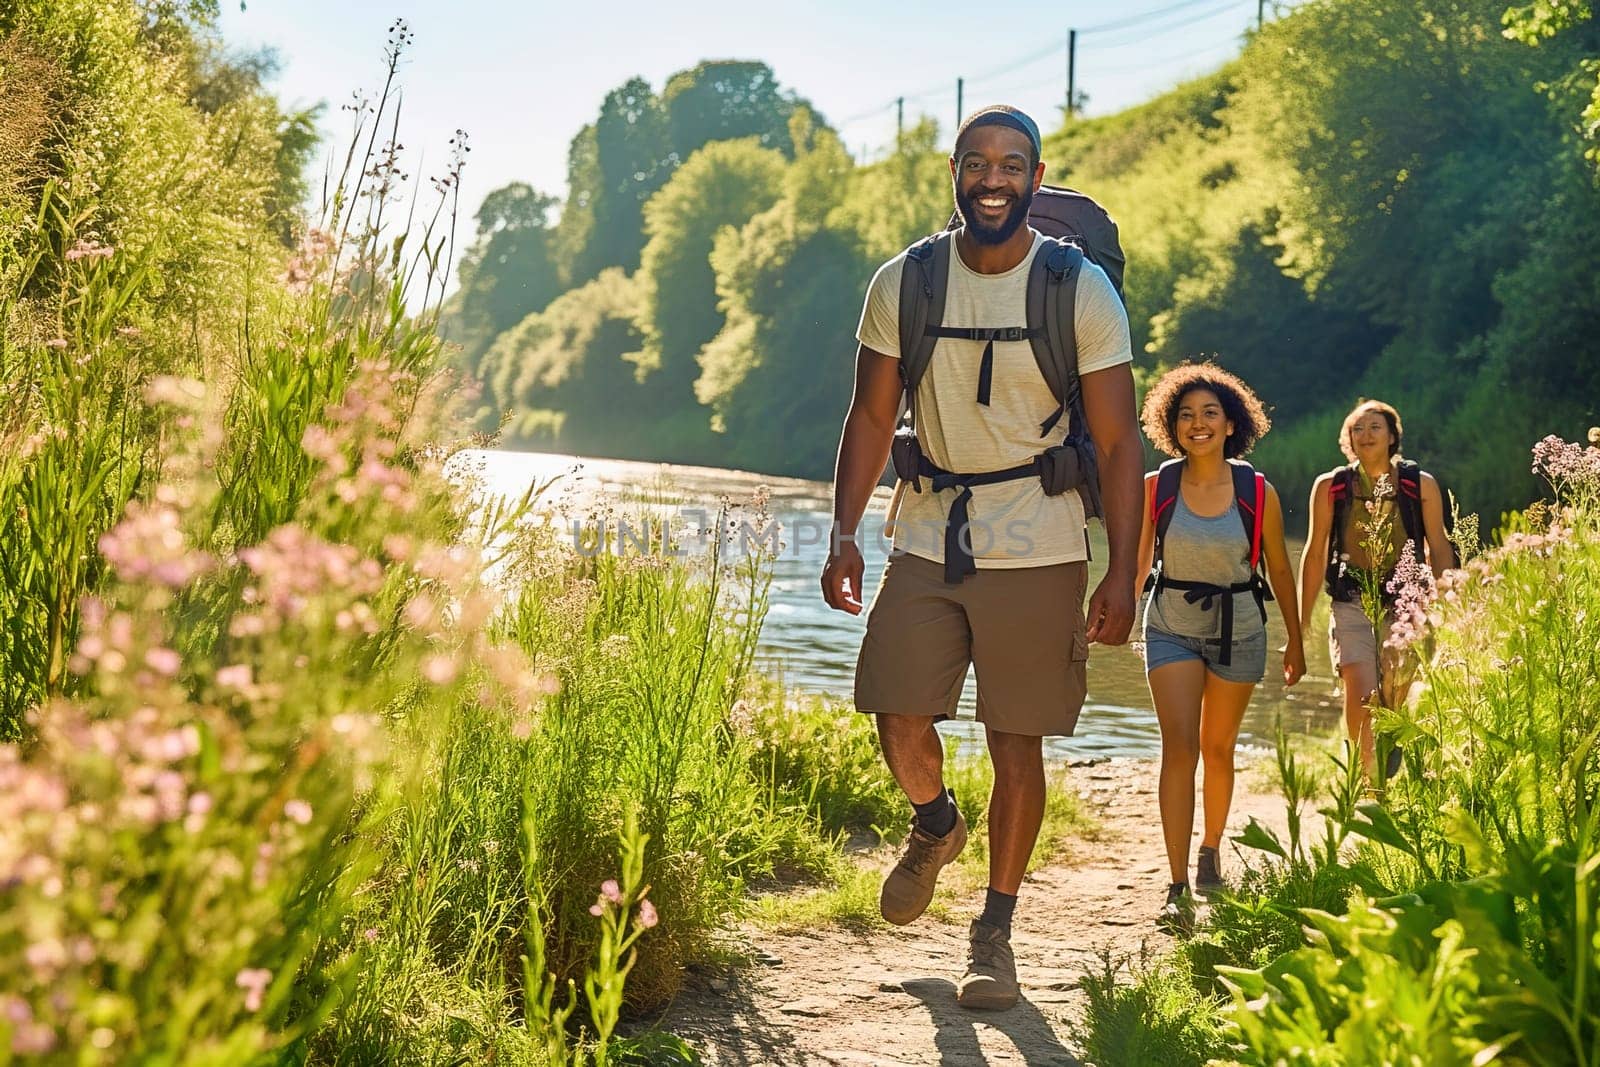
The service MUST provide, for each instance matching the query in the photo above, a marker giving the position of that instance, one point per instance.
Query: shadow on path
(956, 1028)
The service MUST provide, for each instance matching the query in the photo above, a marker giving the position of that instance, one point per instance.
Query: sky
(522, 78)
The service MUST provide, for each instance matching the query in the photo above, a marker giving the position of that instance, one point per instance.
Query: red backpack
(1250, 493)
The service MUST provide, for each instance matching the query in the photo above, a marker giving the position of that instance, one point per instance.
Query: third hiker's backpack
(1075, 226)
(1407, 502)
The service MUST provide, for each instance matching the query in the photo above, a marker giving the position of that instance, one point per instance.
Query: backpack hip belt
(1250, 494)
(958, 561)
(1205, 594)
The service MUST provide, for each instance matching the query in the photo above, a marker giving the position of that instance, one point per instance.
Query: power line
(1123, 41)
(1141, 18)
(1144, 64)
(1140, 22)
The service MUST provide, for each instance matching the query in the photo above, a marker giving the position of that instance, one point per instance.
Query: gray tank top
(1200, 549)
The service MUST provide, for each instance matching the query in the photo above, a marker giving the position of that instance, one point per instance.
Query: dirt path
(887, 998)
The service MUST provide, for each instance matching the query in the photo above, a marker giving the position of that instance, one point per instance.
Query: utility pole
(1072, 72)
(961, 112)
(899, 121)
(1261, 14)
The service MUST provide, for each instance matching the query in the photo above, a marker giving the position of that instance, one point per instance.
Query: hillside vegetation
(1388, 200)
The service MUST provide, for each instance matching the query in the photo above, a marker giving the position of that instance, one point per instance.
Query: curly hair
(1364, 405)
(1239, 403)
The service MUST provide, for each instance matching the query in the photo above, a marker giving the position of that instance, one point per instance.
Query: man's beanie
(1004, 115)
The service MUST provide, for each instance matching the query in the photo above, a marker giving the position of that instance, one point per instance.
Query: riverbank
(885, 996)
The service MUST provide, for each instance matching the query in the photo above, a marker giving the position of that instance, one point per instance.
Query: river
(810, 647)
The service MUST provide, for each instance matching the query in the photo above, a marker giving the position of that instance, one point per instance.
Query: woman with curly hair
(1205, 634)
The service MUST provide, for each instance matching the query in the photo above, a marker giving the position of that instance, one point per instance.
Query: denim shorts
(1249, 654)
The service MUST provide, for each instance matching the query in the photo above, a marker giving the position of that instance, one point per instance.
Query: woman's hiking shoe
(1177, 914)
(1207, 870)
(990, 983)
(909, 887)
(1392, 765)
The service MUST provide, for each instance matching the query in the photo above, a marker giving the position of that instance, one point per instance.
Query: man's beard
(996, 235)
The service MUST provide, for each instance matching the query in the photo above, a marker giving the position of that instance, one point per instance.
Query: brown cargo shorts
(1021, 629)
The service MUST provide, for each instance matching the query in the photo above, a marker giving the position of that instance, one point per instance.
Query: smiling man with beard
(989, 567)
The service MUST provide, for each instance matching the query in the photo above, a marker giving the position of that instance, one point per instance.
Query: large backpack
(1250, 493)
(1075, 226)
(1407, 501)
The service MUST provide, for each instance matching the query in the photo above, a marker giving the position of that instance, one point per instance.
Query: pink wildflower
(234, 676)
(1413, 588)
(440, 670)
(596, 910)
(176, 392)
(297, 811)
(89, 249)
(1565, 462)
(647, 914)
(163, 661)
(254, 981)
(611, 891)
(56, 342)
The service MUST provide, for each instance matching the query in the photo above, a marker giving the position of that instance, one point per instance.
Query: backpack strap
(923, 279)
(1341, 492)
(1052, 302)
(1250, 490)
(1408, 501)
(1163, 502)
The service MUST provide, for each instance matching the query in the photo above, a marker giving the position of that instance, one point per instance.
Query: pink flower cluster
(611, 897)
(309, 260)
(89, 249)
(1413, 588)
(294, 566)
(1567, 463)
(149, 544)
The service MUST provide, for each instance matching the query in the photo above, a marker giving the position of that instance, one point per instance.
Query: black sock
(1176, 890)
(937, 816)
(997, 909)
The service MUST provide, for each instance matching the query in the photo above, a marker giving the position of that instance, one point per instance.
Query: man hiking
(1363, 517)
(990, 546)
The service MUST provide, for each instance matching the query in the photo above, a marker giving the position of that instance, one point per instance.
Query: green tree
(778, 376)
(722, 185)
(507, 273)
(615, 166)
(559, 376)
(726, 100)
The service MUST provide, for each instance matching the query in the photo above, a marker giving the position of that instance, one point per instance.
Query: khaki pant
(1022, 629)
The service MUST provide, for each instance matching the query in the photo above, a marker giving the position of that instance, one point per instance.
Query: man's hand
(841, 578)
(1110, 611)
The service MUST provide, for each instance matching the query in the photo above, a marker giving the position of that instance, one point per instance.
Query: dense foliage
(1374, 199)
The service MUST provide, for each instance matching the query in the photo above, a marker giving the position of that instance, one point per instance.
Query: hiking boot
(990, 983)
(1207, 870)
(1392, 765)
(909, 887)
(1177, 914)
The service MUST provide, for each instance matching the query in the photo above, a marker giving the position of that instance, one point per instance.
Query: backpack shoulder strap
(1341, 490)
(1052, 301)
(923, 279)
(1250, 490)
(1408, 500)
(1163, 502)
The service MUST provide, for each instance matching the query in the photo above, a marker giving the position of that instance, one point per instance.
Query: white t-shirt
(1013, 523)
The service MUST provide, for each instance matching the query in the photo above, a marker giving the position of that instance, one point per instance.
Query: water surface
(811, 647)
